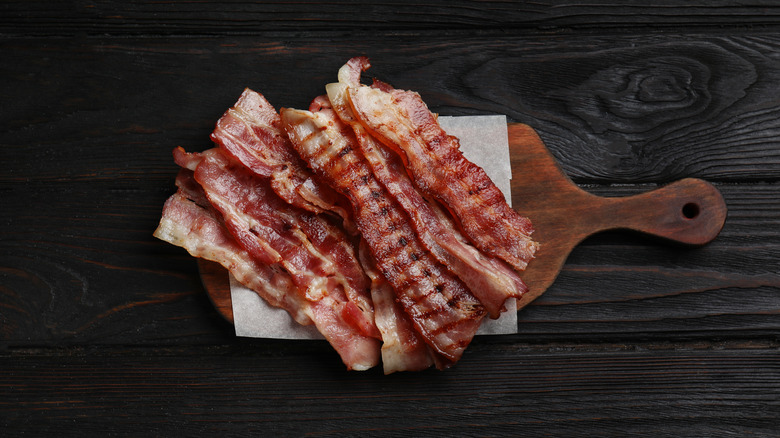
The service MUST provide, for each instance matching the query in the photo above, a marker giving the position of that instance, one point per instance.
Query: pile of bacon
(360, 216)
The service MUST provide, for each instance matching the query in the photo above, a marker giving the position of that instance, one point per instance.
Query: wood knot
(640, 94)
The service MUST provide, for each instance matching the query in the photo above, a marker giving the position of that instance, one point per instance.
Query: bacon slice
(402, 348)
(441, 308)
(402, 121)
(189, 221)
(250, 132)
(316, 253)
(490, 279)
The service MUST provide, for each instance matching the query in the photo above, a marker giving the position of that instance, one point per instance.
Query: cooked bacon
(402, 121)
(439, 245)
(250, 132)
(441, 308)
(490, 279)
(190, 221)
(402, 348)
(316, 253)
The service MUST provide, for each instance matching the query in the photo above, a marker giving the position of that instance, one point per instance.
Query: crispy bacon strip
(250, 132)
(402, 121)
(402, 348)
(441, 308)
(189, 221)
(316, 253)
(490, 279)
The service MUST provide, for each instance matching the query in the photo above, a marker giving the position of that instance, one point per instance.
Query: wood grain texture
(105, 329)
(689, 211)
(612, 109)
(256, 17)
(637, 393)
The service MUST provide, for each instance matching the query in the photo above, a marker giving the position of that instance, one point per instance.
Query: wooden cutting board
(690, 211)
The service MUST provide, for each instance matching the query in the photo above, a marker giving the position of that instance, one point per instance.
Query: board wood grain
(305, 393)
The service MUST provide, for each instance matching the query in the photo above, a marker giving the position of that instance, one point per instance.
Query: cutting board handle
(689, 211)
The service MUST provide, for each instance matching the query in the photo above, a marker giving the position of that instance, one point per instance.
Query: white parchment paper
(484, 141)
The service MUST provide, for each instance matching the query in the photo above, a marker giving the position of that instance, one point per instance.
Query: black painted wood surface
(104, 329)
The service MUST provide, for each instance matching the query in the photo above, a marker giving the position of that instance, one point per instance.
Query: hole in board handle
(690, 210)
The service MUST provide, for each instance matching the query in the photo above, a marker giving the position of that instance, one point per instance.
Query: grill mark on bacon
(489, 278)
(250, 132)
(402, 121)
(448, 316)
(402, 347)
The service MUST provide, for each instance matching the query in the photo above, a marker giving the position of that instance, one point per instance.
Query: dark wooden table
(104, 329)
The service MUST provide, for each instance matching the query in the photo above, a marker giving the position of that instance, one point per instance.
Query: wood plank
(85, 170)
(215, 17)
(688, 392)
(619, 109)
